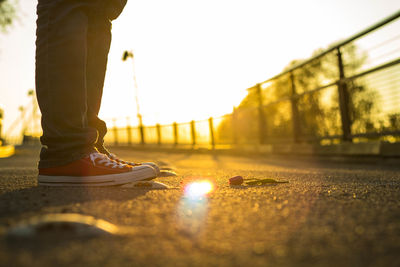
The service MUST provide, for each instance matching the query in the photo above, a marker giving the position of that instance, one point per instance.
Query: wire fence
(349, 92)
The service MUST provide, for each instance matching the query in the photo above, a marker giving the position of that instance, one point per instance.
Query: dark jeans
(73, 41)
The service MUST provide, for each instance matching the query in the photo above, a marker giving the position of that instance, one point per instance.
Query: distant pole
(125, 56)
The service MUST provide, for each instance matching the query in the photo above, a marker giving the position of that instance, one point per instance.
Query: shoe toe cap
(153, 165)
(145, 167)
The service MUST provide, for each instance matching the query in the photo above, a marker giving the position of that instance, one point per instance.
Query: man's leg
(98, 42)
(61, 52)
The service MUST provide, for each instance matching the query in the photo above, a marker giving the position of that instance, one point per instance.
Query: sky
(193, 59)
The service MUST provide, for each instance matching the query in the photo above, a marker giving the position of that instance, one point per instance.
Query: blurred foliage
(8, 10)
(318, 110)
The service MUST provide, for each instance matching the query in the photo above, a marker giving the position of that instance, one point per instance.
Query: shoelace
(104, 160)
(114, 157)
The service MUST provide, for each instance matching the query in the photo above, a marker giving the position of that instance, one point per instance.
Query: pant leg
(61, 55)
(98, 43)
(114, 8)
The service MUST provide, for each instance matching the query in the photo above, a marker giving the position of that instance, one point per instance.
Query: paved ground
(329, 214)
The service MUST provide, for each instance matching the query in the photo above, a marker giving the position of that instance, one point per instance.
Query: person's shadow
(60, 200)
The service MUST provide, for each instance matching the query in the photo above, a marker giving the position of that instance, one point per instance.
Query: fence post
(175, 126)
(193, 132)
(1, 126)
(344, 100)
(211, 125)
(141, 130)
(261, 115)
(295, 111)
(115, 129)
(129, 130)
(158, 128)
(234, 126)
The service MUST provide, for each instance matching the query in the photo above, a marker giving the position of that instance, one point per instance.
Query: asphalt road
(328, 214)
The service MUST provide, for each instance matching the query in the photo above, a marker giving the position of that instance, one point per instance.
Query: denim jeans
(72, 45)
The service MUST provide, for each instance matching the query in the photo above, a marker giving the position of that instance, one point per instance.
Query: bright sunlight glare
(198, 189)
(192, 209)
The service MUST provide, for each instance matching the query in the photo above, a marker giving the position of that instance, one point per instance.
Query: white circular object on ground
(150, 185)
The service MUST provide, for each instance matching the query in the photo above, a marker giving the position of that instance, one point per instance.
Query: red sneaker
(151, 164)
(94, 170)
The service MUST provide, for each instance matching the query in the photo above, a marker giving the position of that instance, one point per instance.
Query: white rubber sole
(139, 173)
(153, 165)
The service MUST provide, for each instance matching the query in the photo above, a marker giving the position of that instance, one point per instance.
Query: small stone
(237, 180)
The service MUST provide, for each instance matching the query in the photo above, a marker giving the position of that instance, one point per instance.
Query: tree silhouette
(7, 13)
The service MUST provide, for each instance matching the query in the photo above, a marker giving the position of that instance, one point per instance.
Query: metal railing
(193, 133)
(347, 93)
(342, 82)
